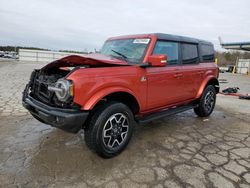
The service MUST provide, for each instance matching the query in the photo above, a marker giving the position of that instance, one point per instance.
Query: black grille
(42, 93)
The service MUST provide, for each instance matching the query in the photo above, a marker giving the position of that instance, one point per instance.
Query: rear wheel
(109, 129)
(207, 102)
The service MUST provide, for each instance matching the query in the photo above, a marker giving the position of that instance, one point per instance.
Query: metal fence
(42, 56)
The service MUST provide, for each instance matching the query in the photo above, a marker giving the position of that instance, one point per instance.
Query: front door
(164, 86)
(164, 83)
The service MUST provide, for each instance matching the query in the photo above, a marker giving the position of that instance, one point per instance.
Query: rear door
(191, 70)
(164, 83)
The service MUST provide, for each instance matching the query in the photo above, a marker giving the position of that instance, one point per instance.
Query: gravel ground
(178, 151)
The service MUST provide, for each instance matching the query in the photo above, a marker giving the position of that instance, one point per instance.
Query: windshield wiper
(120, 54)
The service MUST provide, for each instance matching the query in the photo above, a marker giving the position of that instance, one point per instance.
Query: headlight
(63, 89)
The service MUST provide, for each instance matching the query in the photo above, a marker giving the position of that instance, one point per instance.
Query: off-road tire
(94, 128)
(204, 109)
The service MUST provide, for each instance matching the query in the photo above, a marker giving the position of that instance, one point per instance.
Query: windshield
(131, 50)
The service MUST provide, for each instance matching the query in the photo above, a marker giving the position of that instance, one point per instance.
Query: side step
(164, 113)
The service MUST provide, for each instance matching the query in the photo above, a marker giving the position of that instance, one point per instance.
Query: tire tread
(200, 111)
(92, 127)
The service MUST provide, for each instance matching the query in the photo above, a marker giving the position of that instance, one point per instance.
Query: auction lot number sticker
(141, 41)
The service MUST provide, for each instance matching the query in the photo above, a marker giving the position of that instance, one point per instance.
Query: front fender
(103, 93)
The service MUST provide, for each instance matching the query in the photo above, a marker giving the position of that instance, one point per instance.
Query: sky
(84, 25)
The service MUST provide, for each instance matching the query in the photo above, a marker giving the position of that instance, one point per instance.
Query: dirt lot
(179, 151)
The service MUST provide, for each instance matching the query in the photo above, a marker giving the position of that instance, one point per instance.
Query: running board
(164, 113)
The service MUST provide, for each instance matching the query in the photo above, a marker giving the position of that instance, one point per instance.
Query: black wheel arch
(123, 97)
(214, 82)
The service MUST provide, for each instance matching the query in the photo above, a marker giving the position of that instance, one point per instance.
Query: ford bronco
(134, 79)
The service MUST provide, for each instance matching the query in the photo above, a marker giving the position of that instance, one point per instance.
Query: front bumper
(69, 120)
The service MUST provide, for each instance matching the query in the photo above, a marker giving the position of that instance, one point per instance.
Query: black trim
(70, 120)
(164, 113)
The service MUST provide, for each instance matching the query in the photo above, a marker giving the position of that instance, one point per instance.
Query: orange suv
(134, 79)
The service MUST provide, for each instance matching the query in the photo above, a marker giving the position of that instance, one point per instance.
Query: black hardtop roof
(163, 36)
(177, 38)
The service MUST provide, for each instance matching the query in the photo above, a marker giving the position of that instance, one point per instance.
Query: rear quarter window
(207, 53)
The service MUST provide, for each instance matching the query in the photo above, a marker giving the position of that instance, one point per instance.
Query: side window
(170, 49)
(189, 53)
(207, 52)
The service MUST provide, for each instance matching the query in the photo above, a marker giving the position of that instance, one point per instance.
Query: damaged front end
(44, 103)
(49, 95)
(51, 88)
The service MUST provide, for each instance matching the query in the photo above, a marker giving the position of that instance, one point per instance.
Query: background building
(237, 46)
(242, 66)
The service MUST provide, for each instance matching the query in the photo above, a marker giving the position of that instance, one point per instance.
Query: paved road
(179, 151)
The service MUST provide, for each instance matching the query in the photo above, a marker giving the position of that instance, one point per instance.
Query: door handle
(178, 75)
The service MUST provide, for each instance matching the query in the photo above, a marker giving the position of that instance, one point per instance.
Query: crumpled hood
(88, 59)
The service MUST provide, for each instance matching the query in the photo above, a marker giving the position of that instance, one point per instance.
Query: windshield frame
(141, 60)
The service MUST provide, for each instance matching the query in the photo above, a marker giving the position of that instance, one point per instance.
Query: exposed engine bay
(40, 81)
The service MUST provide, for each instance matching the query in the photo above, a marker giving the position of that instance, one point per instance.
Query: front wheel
(207, 102)
(109, 129)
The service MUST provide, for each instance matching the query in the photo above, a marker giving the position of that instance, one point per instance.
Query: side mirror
(158, 60)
